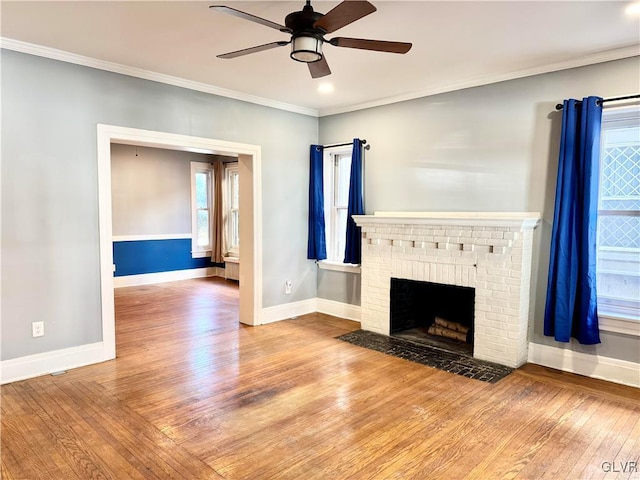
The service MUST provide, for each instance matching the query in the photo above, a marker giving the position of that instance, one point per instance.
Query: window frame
(616, 315)
(198, 251)
(230, 169)
(330, 169)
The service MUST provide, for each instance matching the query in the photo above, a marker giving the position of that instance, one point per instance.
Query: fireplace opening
(433, 313)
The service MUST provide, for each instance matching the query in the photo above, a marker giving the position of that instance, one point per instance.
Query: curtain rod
(364, 142)
(560, 106)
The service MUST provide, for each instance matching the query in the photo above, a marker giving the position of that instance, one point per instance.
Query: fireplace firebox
(433, 313)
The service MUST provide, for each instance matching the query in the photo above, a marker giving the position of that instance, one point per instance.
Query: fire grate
(431, 356)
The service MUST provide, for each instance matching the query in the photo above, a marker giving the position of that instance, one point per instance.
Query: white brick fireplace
(490, 252)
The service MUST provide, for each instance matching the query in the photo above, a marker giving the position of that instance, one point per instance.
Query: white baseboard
(161, 277)
(338, 309)
(595, 366)
(44, 363)
(288, 310)
(322, 305)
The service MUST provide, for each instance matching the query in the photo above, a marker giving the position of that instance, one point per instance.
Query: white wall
(50, 242)
(490, 148)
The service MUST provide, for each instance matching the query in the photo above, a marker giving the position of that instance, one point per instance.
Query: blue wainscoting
(153, 256)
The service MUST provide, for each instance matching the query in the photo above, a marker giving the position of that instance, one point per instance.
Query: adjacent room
(416, 256)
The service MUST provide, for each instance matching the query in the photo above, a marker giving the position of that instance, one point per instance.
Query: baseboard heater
(232, 268)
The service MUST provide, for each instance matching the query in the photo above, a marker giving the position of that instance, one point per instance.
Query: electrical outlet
(37, 329)
(287, 287)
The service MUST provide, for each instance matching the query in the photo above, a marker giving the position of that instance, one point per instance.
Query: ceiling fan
(308, 28)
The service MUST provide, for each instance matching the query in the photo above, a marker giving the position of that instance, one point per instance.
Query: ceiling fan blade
(343, 14)
(320, 68)
(259, 48)
(248, 16)
(376, 45)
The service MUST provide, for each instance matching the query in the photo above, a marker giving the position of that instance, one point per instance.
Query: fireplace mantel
(488, 251)
(471, 219)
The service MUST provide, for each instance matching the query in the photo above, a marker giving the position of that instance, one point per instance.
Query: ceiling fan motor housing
(308, 28)
(306, 41)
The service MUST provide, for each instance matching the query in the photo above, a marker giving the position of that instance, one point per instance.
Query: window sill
(338, 267)
(201, 254)
(626, 326)
(231, 259)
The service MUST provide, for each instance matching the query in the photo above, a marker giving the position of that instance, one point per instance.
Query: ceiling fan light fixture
(308, 29)
(306, 48)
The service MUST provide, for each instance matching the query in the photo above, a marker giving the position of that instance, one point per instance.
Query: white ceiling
(455, 44)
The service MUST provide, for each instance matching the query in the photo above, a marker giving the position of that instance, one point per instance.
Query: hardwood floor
(195, 395)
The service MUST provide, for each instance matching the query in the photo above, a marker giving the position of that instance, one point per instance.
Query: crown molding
(600, 57)
(61, 55)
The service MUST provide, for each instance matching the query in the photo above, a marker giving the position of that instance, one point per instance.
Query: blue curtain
(571, 309)
(353, 248)
(316, 243)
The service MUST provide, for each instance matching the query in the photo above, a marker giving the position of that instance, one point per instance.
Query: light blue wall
(151, 190)
(481, 149)
(490, 148)
(50, 257)
(339, 286)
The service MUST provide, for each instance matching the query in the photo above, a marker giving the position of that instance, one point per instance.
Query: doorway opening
(250, 228)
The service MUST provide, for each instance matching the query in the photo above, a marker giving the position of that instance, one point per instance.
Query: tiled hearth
(490, 252)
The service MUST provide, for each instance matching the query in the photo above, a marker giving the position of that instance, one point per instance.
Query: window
(232, 225)
(337, 170)
(201, 208)
(618, 257)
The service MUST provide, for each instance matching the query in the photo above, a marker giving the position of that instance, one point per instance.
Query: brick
(502, 257)
(498, 290)
(516, 258)
(498, 272)
(458, 275)
(381, 242)
(416, 271)
(481, 277)
(466, 276)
